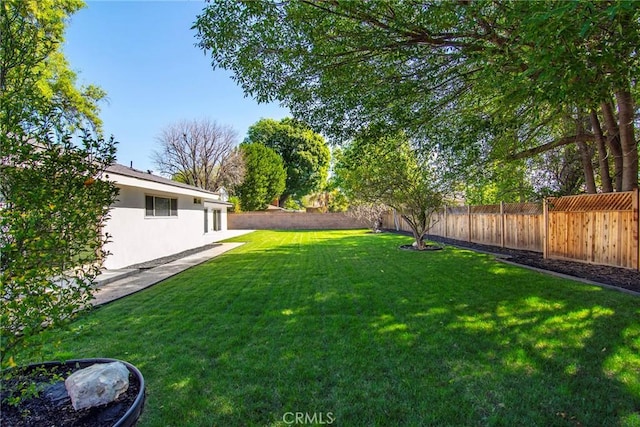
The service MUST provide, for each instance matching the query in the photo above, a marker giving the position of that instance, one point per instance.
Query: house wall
(135, 238)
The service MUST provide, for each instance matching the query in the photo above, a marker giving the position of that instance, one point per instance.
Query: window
(160, 206)
(197, 201)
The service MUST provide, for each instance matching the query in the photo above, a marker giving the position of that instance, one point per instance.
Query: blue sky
(142, 54)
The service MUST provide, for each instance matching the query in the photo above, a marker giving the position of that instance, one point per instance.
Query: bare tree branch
(201, 153)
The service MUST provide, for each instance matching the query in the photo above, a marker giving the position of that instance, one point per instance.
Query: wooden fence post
(545, 228)
(635, 207)
(502, 225)
(446, 222)
(468, 223)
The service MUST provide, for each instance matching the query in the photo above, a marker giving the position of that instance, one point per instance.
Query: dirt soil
(52, 405)
(612, 276)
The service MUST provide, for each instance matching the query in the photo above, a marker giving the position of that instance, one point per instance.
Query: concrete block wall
(291, 221)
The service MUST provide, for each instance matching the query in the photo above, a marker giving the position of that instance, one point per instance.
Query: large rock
(98, 384)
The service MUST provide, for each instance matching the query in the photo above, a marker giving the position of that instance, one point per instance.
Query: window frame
(172, 206)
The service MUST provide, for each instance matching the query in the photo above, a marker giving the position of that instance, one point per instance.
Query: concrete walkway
(115, 284)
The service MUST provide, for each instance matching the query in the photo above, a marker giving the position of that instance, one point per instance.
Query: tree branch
(586, 137)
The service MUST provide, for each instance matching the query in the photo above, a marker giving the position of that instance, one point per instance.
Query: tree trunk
(605, 175)
(585, 155)
(627, 141)
(587, 167)
(417, 231)
(613, 142)
(283, 200)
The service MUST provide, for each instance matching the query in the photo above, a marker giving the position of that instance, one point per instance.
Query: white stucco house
(156, 217)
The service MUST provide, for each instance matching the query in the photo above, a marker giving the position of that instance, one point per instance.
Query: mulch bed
(426, 248)
(52, 406)
(613, 276)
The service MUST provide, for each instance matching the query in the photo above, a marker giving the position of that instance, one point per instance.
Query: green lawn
(345, 327)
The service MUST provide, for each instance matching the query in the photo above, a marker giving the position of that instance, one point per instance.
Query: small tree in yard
(386, 170)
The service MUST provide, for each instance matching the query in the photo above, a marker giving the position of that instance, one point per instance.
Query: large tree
(521, 68)
(54, 192)
(388, 170)
(264, 179)
(201, 153)
(42, 67)
(305, 154)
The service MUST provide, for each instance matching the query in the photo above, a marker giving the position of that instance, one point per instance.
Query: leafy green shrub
(56, 201)
(235, 201)
(293, 205)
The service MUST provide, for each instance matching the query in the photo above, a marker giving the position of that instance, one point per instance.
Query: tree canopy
(31, 57)
(529, 76)
(304, 152)
(264, 179)
(387, 170)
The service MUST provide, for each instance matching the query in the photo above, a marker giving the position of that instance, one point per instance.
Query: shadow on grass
(346, 323)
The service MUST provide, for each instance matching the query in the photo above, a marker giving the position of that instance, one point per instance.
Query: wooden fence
(598, 228)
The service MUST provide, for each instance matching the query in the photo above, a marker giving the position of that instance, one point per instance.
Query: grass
(344, 327)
